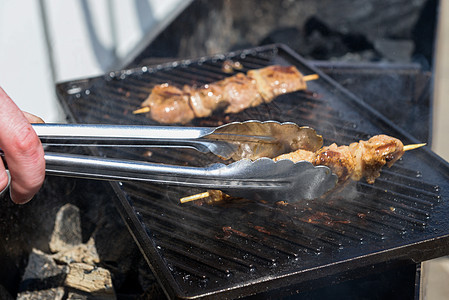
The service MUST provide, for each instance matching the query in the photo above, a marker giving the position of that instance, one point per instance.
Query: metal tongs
(250, 144)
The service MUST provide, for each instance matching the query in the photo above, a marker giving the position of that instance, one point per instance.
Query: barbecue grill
(244, 248)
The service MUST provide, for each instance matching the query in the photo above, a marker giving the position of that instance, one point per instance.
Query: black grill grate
(243, 248)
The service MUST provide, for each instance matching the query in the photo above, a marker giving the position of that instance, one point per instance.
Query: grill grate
(242, 248)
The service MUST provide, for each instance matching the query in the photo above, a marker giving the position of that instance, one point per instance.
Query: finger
(23, 151)
(32, 118)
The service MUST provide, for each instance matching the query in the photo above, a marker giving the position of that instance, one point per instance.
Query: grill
(405, 86)
(245, 248)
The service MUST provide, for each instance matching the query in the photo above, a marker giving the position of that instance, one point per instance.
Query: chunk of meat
(240, 92)
(276, 80)
(204, 100)
(370, 156)
(298, 155)
(235, 93)
(338, 158)
(168, 104)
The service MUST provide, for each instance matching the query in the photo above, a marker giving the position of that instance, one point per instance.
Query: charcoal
(86, 253)
(50, 294)
(77, 296)
(67, 230)
(96, 281)
(42, 273)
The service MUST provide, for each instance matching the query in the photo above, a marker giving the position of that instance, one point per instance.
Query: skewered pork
(358, 160)
(169, 104)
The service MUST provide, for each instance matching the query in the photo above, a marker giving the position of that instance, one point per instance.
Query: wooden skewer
(311, 77)
(194, 197)
(413, 146)
(142, 110)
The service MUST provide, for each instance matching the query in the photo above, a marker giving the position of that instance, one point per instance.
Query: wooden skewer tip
(413, 146)
(142, 110)
(194, 197)
(311, 77)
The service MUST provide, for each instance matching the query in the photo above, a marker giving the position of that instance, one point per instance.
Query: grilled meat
(169, 104)
(276, 80)
(370, 156)
(240, 92)
(358, 160)
(338, 158)
(297, 155)
(235, 93)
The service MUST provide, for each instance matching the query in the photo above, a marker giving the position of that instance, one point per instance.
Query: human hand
(22, 150)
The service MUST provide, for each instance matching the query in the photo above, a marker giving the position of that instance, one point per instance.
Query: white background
(48, 41)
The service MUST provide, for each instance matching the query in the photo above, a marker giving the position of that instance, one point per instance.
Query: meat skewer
(169, 104)
(358, 160)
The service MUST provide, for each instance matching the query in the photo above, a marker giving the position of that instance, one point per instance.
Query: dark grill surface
(243, 248)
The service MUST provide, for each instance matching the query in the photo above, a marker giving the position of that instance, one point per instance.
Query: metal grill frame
(414, 240)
